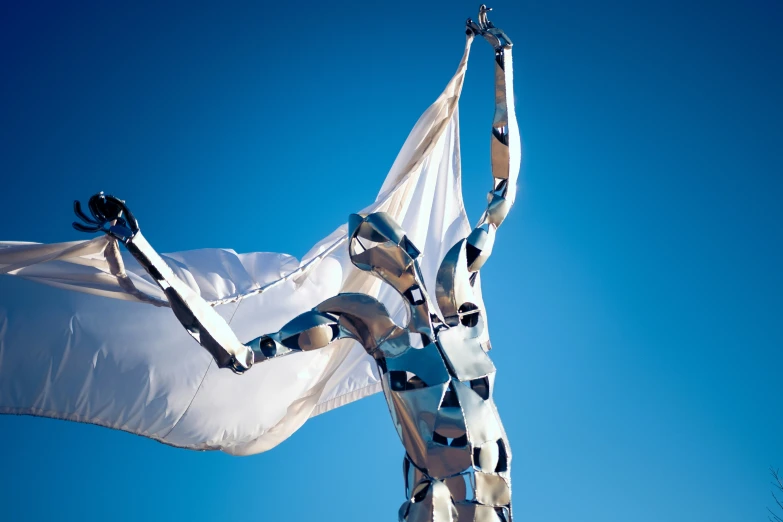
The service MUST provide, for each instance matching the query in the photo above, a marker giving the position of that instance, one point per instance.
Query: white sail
(94, 345)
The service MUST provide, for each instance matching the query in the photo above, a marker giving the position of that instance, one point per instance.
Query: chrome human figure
(436, 374)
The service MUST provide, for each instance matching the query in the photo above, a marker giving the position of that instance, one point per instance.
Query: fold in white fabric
(98, 345)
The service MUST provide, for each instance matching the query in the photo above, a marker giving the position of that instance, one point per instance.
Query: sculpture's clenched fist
(110, 215)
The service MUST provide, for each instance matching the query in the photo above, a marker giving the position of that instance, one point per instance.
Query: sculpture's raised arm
(111, 216)
(504, 148)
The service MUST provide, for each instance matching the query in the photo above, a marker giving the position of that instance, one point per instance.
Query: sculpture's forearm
(195, 314)
(112, 216)
(505, 153)
(354, 316)
(311, 330)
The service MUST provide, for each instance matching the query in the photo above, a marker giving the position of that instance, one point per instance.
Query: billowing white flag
(96, 345)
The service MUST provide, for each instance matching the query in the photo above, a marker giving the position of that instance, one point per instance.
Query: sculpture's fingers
(84, 228)
(77, 209)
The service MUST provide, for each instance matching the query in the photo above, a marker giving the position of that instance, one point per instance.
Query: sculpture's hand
(109, 215)
(494, 35)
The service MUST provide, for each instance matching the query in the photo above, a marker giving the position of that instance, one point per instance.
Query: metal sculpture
(436, 374)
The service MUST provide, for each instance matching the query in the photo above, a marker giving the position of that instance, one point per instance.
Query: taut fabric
(94, 344)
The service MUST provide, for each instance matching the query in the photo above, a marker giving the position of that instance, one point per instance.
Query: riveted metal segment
(450, 424)
(268, 347)
(413, 476)
(435, 505)
(397, 344)
(479, 248)
(466, 511)
(481, 386)
(413, 413)
(458, 487)
(403, 512)
(378, 245)
(425, 362)
(504, 513)
(377, 227)
(499, 153)
(504, 458)
(453, 283)
(481, 421)
(310, 331)
(368, 318)
(304, 322)
(390, 263)
(465, 356)
(497, 210)
(471, 512)
(445, 459)
(487, 456)
(492, 490)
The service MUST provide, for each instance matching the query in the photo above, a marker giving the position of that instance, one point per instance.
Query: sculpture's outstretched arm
(309, 331)
(111, 216)
(504, 148)
(353, 316)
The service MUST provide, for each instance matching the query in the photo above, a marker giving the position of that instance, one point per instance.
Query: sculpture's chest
(439, 397)
(456, 354)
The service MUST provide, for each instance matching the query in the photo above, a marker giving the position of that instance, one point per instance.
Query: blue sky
(634, 292)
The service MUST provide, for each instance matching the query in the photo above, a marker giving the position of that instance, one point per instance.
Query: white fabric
(91, 351)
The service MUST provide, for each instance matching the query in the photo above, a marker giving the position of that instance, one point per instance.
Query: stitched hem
(346, 398)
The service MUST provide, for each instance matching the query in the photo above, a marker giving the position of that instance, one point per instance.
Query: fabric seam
(203, 378)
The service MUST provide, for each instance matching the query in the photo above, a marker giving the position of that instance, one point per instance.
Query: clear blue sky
(634, 293)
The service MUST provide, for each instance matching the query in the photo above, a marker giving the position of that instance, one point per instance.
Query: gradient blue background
(634, 293)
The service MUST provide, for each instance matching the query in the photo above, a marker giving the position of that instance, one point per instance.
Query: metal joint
(494, 35)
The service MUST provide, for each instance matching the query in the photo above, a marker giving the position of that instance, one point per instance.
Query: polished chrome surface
(436, 375)
(110, 215)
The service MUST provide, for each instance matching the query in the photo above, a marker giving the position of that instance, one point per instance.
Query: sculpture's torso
(440, 399)
(436, 376)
